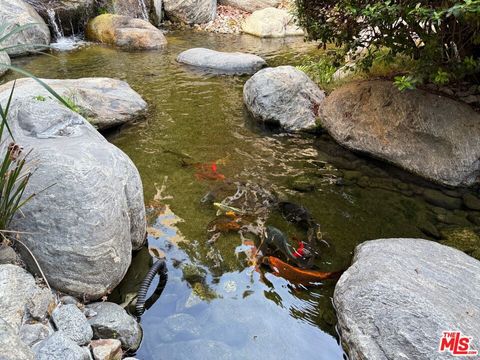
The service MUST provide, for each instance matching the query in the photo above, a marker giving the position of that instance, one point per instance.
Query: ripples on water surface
(234, 313)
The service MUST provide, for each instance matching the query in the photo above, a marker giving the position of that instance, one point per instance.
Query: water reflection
(226, 309)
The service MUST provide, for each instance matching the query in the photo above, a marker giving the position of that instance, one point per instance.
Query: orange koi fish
(208, 172)
(296, 275)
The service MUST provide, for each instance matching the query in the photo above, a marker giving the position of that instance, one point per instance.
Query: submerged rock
(463, 239)
(112, 322)
(283, 96)
(271, 22)
(191, 11)
(74, 325)
(429, 135)
(250, 5)
(104, 102)
(11, 346)
(15, 13)
(60, 347)
(399, 295)
(222, 62)
(125, 32)
(89, 211)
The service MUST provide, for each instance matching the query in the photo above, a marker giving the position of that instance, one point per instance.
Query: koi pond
(218, 304)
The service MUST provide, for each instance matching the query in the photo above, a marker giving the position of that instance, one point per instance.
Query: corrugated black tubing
(160, 268)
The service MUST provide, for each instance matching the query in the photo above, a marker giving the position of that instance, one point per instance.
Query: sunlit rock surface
(125, 32)
(399, 295)
(250, 5)
(191, 11)
(222, 62)
(427, 134)
(104, 102)
(88, 212)
(271, 22)
(15, 13)
(283, 96)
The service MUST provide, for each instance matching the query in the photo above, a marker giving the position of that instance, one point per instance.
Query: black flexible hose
(160, 268)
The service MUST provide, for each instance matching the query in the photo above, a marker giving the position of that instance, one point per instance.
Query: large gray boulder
(271, 23)
(222, 62)
(430, 135)
(11, 346)
(88, 213)
(70, 16)
(399, 295)
(4, 60)
(111, 321)
(250, 5)
(191, 11)
(17, 13)
(283, 96)
(104, 102)
(18, 290)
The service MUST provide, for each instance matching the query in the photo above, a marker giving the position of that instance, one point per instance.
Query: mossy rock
(462, 239)
(193, 274)
(204, 292)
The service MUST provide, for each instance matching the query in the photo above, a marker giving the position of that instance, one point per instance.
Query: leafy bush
(443, 37)
(320, 71)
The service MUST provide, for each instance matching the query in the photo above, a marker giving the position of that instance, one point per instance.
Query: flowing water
(216, 305)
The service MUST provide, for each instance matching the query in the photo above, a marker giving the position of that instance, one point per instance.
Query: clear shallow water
(233, 311)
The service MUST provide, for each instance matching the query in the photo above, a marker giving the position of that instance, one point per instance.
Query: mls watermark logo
(457, 344)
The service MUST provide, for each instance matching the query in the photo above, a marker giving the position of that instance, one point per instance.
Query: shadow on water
(215, 304)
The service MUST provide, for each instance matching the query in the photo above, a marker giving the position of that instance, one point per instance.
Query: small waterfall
(62, 42)
(143, 6)
(57, 28)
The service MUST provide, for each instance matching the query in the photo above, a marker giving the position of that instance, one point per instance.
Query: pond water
(216, 304)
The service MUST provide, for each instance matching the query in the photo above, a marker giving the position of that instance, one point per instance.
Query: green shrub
(443, 37)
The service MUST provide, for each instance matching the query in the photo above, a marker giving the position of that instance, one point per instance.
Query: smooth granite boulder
(104, 102)
(125, 32)
(271, 23)
(400, 295)
(89, 212)
(222, 62)
(427, 134)
(283, 96)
